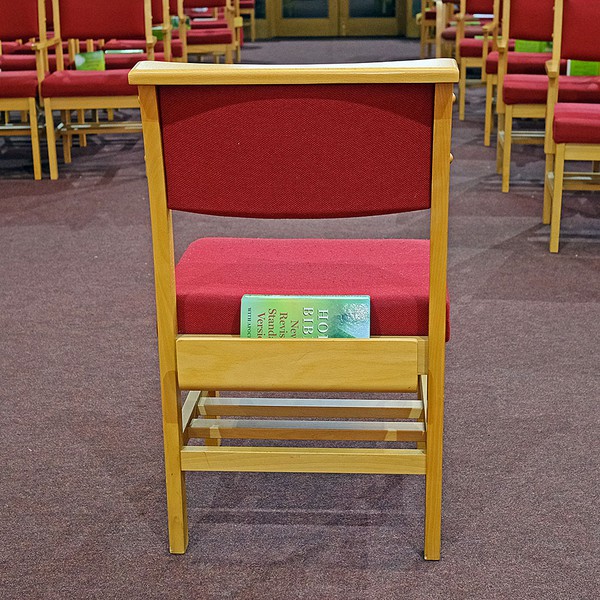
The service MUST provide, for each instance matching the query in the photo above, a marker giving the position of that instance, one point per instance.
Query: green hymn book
(582, 68)
(90, 61)
(272, 316)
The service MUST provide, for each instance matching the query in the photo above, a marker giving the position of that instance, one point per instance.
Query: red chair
(335, 122)
(248, 9)
(426, 20)
(472, 52)
(572, 127)
(221, 40)
(451, 26)
(19, 88)
(68, 90)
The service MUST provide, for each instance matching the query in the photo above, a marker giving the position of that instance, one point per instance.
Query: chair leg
(559, 170)
(110, 114)
(462, 88)
(489, 111)
(547, 207)
(82, 136)
(499, 143)
(253, 26)
(228, 56)
(35, 140)
(507, 148)
(67, 140)
(51, 139)
(212, 441)
(433, 470)
(175, 477)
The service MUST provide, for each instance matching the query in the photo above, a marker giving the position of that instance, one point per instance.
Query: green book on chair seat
(273, 316)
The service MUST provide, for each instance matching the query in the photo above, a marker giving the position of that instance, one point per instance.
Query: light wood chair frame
(556, 179)
(203, 364)
(427, 28)
(490, 43)
(28, 107)
(235, 23)
(506, 137)
(250, 12)
(444, 14)
(66, 128)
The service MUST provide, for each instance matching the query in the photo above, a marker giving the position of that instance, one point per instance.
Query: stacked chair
(248, 9)
(67, 90)
(426, 20)
(572, 127)
(451, 27)
(19, 88)
(303, 121)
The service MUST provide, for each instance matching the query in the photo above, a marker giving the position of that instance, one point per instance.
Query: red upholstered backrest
(485, 7)
(531, 20)
(203, 3)
(18, 21)
(95, 19)
(581, 30)
(297, 151)
(157, 12)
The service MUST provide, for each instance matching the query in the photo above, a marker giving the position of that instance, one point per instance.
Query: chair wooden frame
(556, 179)
(235, 23)
(28, 106)
(490, 43)
(506, 137)
(205, 363)
(427, 28)
(66, 129)
(250, 12)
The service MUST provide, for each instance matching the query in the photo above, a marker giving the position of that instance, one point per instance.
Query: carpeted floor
(81, 483)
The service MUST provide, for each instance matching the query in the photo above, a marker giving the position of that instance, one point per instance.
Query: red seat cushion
(533, 89)
(26, 62)
(10, 47)
(533, 63)
(209, 23)
(429, 15)
(214, 274)
(576, 123)
(176, 46)
(88, 83)
(18, 84)
(470, 47)
(128, 61)
(470, 32)
(198, 37)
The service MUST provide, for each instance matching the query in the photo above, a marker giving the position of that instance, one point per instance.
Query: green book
(158, 32)
(532, 46)
(125, 51)
(90, 61)
(582, 68)
(273, 316)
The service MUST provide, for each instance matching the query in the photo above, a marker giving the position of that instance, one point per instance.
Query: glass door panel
(369, 17)
(306, 18)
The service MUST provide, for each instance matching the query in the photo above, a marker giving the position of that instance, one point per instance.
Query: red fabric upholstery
(203, 3)
(91, 19)
(576, 123)
(27, 48)
(26, 62)
(337, 164)
(531, 20)
(209, 23)
(157, 12)
(214, 273)
(430, 15)
(18, 84)
(176, 46)
(484, 7)
(581, 21)
(471, 47)
(19, 21)
(533, 63)
(470, 32)
(251, 4)
(533, 89)
(10, 47)
(88, 83)
(199, 37)
(128, 61)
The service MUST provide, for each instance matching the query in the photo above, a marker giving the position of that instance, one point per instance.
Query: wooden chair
(223, 40)
(248, 9)
(19, 88)
(473, 52)
(426, 20)
(71, 90)
(522, 20)
(572, 128)
(335, 122)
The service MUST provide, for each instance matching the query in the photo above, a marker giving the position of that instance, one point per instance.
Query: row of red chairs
(40, 41)
(535, 85)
